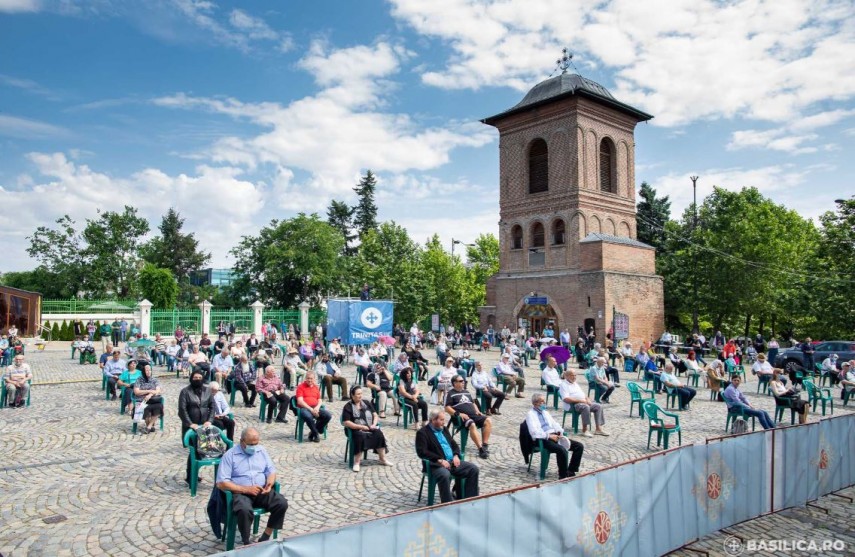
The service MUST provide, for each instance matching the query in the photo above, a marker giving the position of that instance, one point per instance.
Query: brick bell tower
(568, 253)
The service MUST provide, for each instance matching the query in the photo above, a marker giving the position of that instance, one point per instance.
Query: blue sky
(239, 112)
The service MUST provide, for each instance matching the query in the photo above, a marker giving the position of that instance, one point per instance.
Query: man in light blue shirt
(735, 399)
(113, 368)
(247, 471)
(222, 365)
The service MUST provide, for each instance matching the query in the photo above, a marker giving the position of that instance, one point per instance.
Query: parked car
(792, 359)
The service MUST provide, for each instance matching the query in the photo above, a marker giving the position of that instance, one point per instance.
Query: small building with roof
(569, 256)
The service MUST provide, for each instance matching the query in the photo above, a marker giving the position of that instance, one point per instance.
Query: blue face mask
(250, 449)
(542, 406)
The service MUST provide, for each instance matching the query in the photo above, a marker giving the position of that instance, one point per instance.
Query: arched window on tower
(608, 174)
(558, 232)
(538, 167)
(516, 237)
(537, 235)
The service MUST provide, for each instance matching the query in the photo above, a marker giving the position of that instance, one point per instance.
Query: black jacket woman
(360, 418)
(195, 408)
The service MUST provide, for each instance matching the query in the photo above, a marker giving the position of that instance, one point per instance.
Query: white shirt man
(666, 338)
(550, 374)
(362, 359)
(574, 398)
(762, 367)
(222, 365)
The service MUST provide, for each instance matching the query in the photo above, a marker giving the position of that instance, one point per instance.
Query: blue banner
(369, 320)
(338, 318)
(834, 461)
(796, 461)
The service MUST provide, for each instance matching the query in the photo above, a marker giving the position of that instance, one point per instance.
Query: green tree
(653, 212)
(365, 212)
(173, 249)
(112, 252)
(483, 257)
(60, 253)
(49, 284)
(289, 261)
(832, 288)
(55, 331)
(340, 217)
(158, 286)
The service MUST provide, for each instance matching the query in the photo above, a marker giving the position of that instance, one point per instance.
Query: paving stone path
(75, 481)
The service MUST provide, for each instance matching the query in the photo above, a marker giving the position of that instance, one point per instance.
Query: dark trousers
(226, 424)
(283, 401)
(612, 373)
(565, 468)
(489, 395)
(242, 505)
(686, 395)
(244, 389)
(330, 380)
(111, 384)
(466, 470)
(316, 425)
(605, 392)
(416, 405)
(116, 338)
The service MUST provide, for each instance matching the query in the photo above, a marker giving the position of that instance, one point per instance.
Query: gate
(165, 321)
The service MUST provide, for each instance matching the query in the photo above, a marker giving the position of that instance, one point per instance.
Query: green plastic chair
(574, 422)
(349, 447)
(663, 430)
(818, 394)
(739, 412)
(406, 410)
(431, 494)
(298, 427)
(592, 385)
(544, 459)
(636, 396)
(782, 404)
(231, 523)
(672, 400)
(847, 392)
(3, 402)
(134, 411)
(763, 383)
(457, 427)
(735, 370)
(553, 391)
(197, 463)
(501, 382)
(823, 378)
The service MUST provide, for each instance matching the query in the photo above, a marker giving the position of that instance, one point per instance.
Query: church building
(567, 232)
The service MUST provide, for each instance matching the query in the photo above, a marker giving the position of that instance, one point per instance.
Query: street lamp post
(695, 327)
(455, 242)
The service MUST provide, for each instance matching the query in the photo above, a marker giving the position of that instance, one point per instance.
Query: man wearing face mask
(544, 427)
(435, 444)
(195, 408)
(247, 471)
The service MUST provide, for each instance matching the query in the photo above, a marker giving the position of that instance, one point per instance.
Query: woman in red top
(309, 405)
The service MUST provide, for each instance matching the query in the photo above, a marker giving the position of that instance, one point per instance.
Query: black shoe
(482, 453)
(316, 439)
(263, 537)
(270, 420)
(113, 397)
(282, 420)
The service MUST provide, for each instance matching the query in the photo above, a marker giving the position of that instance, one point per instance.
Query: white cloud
(683, 61)
(254, 27)
(24, 128)
(339, 132)
(218, 203)
(27, 84)
(19, 6)
(791, 137)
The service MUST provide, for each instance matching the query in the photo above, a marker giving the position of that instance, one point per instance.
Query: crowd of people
(310, 371)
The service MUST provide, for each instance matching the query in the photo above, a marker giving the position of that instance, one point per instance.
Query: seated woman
(126, 382)
(147, 390)
(221, 417)
(717, 378)
(360, 417)
(414, 356)
(182, 360)
(379, 381)
(409, 391)
(446, 374)
(691, 363)
(237, 351)
(784, 396)
(307, 354)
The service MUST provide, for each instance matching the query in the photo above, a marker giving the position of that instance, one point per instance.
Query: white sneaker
(587, 434)
(356, 467)
(602, 432)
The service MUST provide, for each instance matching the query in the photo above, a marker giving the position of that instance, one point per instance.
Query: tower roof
(566, 85)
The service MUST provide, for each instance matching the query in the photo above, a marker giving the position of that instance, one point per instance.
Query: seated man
(597, 374)
(113, 368)
(336, 352)
(652, 372)
(735, 399)
(415, 357)
(550, 375)
(446, 374)
(294, 367)
(126, 382)
(573, 397)
(273, 391)
(247, 471)
(221, 366)
(829, 368)
(245, 376)
(363, 364)
(328, 375)
(402, 362)
(17, 378)
(669, 379)
(544, 427)
(309, 405)
(379, 382)
(86, 349)
(483, 384)
(158, 351)
(196, 359)
(764, 369)
(171, 352)
(205, 345)
(458, 402)
(510, 375)
(847, 381)
(435, 444)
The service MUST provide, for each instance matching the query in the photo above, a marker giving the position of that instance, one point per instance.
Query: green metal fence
(242, 319)
(280, 316)
(88, 306)
(165, 321)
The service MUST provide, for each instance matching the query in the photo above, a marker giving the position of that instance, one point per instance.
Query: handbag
(138, 412)
(155, 400)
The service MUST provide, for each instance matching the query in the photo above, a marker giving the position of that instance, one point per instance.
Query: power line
(747, 262)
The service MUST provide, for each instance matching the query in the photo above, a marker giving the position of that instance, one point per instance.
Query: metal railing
(88, 306)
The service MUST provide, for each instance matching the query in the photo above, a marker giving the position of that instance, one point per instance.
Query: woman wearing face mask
(195, 408)
(147, 389)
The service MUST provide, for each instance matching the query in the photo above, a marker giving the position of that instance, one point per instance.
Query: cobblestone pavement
(75, 481)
